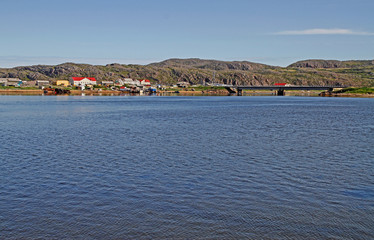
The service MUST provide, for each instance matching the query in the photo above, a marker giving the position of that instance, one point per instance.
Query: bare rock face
(64, 69)
(12, 75)
(36, 76)
(317, 64)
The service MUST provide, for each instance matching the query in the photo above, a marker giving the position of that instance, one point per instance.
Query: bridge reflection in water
(280, 89)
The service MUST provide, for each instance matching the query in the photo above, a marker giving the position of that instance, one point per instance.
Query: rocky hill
(331, 64)
(210, 64)
(195, 71)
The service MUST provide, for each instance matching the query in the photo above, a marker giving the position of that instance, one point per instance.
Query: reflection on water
(76, 167)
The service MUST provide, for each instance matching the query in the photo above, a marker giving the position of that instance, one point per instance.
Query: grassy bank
(18, 88)
(362, 90)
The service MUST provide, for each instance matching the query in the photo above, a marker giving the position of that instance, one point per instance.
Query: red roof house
(145, 82)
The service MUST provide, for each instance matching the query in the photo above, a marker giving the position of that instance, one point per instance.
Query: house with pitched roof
(126, 81)
(42, 83)
(145, 82)
(82, 81)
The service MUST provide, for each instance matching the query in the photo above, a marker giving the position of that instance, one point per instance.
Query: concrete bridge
(279, 88)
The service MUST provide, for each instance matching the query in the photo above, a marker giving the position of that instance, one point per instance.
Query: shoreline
(182, 93)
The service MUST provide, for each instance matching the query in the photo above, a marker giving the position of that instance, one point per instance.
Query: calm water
(186, 168)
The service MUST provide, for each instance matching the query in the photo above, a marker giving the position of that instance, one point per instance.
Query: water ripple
(186, 168)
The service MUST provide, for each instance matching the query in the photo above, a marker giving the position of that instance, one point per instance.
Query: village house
(128, 82)
(10, 81)
(82, 81)
(107, 83)
(28, 83)
(119, 82)
(137, 83)
(3, 81)
(62, 83)
(42, 83)
(145, 82)
(183, 84)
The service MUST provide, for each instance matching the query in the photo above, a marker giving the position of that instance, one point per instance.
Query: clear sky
(275, 32)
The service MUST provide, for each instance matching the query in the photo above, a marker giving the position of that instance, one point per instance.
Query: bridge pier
(280, 92)
(231, 90)
(240, 92)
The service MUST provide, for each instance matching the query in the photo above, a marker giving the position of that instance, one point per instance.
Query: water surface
(74, 167)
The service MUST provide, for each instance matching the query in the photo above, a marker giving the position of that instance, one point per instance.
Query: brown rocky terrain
(197, 71)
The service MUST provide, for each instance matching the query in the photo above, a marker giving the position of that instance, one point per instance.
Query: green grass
(362, 90)
(21, 88)
(197, 88)
(203, 88)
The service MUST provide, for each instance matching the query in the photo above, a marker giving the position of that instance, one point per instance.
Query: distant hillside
(210, 64)
(332, 64)
(197, 71)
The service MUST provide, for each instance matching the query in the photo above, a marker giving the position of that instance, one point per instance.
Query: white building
(10, 81)
(42, 82)
(107, 83)
(128, 81)
(82, 81)
(3, 81)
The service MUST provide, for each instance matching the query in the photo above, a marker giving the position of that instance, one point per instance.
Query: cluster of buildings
(76, 82)
(133, 83)
(16, 82)
(124, 84)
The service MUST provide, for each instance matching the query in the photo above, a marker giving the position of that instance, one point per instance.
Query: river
(102, 167)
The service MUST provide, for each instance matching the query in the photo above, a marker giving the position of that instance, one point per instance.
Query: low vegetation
(14, 88)
(363, 90)
(197, 71)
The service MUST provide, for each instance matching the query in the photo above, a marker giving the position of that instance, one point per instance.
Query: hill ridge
(195, 71)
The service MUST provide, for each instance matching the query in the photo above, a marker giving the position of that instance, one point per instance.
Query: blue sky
(274, 32)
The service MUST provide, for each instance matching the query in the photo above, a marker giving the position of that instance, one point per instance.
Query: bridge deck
(279, 88)
(288, 87)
